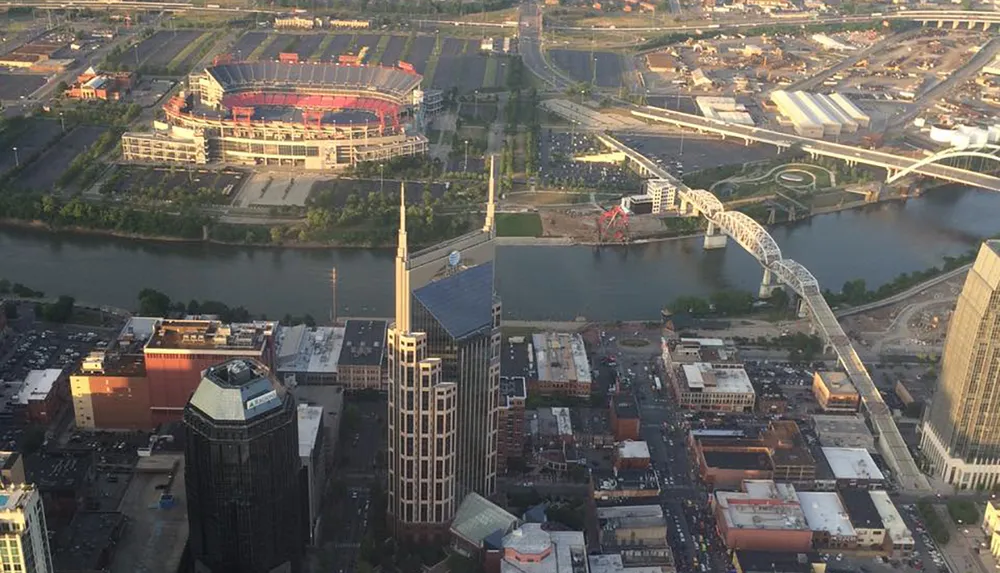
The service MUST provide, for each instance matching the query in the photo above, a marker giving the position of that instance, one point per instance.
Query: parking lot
(161, 48)
(558, 169)
(35, 348)
(29, 137)
(17, 86)
(41, 175)
(605, 70)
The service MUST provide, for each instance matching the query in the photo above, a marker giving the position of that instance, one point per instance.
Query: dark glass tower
(241, 472)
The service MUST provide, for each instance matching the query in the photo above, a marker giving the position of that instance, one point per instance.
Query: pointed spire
(489, 226)
(402, 272)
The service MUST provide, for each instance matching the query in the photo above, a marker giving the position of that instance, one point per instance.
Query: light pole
(62, 121)
(466, 168)
(17, 161)
(381, 177)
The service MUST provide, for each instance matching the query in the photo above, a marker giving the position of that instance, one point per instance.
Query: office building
(362, 355)
(779, 452)
(454, 303)
(23, 533)
(631, 526)
(510, 427)
(835, 392)
(961, 434)
(765, 516)
(632, 455)
(308, 356)
(705, 374)
(312, 454)
(243, 473)
(148, 373)
(562, 365)
(422, 419)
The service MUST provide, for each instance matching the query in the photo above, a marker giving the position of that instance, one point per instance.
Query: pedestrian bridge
(755, 239)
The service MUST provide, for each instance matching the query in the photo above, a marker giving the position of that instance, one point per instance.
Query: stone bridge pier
(714, 237)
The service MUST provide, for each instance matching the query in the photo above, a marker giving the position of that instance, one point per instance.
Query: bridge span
(750, 235)
(893, 164)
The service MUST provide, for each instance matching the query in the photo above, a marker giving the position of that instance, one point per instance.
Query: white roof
(622, 511)
(531, 539)
(899, 533)
(303, 350)
(37, 385)
(633, 449)
(612, 563)
(707, 378)
(563, 422)
(310, 418)
(705, 341)
(765, 505)
(139, 327)
(825, 512)
(561, 357)
(852, 463)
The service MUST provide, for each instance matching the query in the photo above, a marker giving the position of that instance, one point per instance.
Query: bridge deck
(897, 454)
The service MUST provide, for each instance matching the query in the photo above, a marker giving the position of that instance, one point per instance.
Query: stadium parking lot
(162, 47)
(605, 70)
(247, 43)
(29, 139)
(42, 174)
(16, 86)
(338, 45)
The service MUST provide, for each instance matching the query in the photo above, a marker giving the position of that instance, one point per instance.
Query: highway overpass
(758, 242)
(814, 147)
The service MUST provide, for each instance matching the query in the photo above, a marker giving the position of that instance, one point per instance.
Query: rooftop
(86, 544)
(513, 388)
(613, 564)
(477, 518)
(15, 499)
(712, 350)
(517, 359)
(843, 430)
(209, 336)
(825, 512)
(633, 449)
(852, 464)
(776, 562)
(237, 391)
(310, 420)
(626, 407)
(58, 471)
(705, 377)
(309, 350)
(462, 303)
(837, 383)
(38, 384)
(899, 533)
(567, 551)
(561, 357)
(363, 343)
(861, 509)
(738, 460)
(763, 504)
(551, 422)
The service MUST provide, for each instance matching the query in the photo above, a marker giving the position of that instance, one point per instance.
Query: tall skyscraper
(446, 309)
(23, 534)
(961, 430)
(242, 473)
(422, 421)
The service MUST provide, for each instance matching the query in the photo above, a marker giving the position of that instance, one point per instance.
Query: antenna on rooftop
(333, 288)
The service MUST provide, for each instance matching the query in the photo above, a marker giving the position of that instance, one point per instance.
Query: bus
(657, 384)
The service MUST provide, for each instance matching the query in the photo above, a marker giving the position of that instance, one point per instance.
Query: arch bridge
(985, 151)
(778, 270)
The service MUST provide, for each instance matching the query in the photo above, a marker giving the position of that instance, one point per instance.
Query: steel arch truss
(796, 276)
(749, 234)
(948, 154)
(704, 202)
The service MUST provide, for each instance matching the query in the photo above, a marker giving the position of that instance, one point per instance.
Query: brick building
(835, 392)
(362, 356)
(625, 418)
(764, 516)
(106, 86)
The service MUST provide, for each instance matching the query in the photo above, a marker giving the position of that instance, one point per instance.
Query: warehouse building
(818, 115)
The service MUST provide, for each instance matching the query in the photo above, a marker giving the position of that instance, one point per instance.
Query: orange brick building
(764, 516)
(91, 85)
(625, 418)
(835, 392)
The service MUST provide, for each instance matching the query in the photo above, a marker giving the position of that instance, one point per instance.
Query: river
(875, 243)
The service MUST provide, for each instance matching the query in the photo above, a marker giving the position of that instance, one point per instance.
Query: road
(811, 82)
(813, 146)
(530, 45)
(906, 293)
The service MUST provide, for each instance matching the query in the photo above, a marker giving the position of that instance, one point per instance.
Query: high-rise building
(422, 421)
(454, 303)
(242, 471)
(961, 434)
(23, 534)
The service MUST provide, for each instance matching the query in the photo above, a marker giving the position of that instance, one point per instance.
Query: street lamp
(62, 121)
(17, 162)
(466, 168)
(381, 177)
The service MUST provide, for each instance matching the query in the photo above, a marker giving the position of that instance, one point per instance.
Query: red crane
(612, 226)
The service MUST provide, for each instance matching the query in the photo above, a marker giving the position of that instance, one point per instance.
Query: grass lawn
(519, 225)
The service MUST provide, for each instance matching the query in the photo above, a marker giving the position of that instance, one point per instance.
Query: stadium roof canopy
(282, 75)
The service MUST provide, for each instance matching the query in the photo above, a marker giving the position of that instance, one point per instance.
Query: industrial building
(854, 467)
(148, 373)
(840, 431)
(827, 518)
(562, 365)
(308, 355)
(765, 516)
(724, 109)
(835, 392)
(818, 115)
(241, 443)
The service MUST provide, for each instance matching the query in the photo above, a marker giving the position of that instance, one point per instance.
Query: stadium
(288, 114)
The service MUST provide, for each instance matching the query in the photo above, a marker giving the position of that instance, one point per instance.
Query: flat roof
(561, 357)
(309, 350)
(633, 449)
(899, 533)
(825, 512)
(861, 509)
(517, 358)
(37, 385)
(563, 422)
(852, 463)
(849, 431)
(704, 377)
(764, 505)
(776, 561)
(837, 383)
(310, 419)
(612, 563)
(85, 543)
(737, 460)
(549, 422)
(623, 511)
(625, 407)
(364, 343)
(209, 336)
(513, 388)
(568, 550)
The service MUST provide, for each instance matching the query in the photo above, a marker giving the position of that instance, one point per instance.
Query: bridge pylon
(803, 310)
(715, 238)
(767, 285)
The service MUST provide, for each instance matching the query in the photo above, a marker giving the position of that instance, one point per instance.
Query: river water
(875, 243)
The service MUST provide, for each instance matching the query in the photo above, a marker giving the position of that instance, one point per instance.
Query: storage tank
(941, 134)
(994, 134)
(978, 137)
(960, 141)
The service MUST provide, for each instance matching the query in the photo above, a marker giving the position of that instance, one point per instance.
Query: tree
(59, 311)
(153, 303)
(276, 234)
